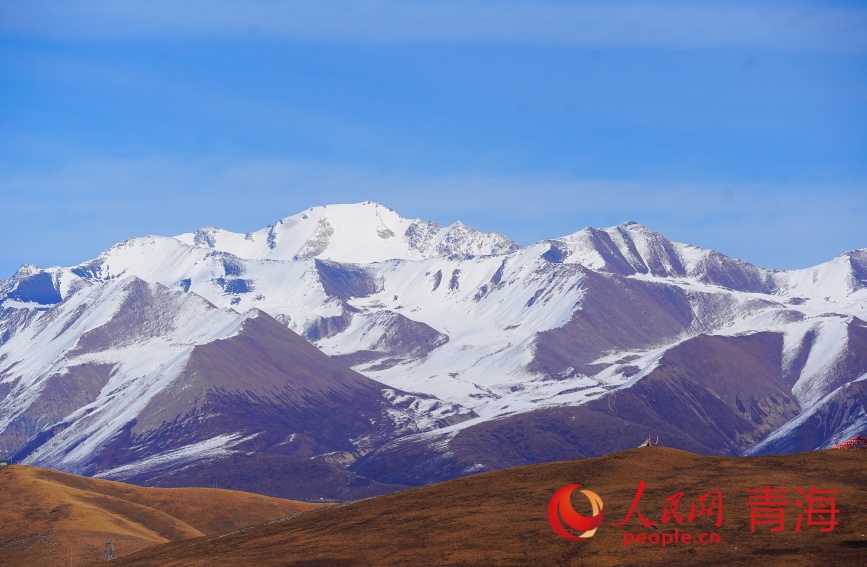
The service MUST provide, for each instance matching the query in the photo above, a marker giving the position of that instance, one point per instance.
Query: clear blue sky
(739, 126)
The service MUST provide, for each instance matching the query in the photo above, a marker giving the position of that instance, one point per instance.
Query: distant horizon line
(459, 222)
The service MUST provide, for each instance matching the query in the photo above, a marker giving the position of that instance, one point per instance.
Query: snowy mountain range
(430, 352)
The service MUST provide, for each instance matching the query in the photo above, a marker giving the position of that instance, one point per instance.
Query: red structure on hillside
(855, 443)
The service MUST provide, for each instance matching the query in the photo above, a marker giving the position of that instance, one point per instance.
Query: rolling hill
(48, 518)
(499, 518)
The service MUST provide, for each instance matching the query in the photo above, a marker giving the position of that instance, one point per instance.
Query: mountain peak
(337, 210)
(362, 232)
(461, 240)
(206, 236)
(636, 230)
(26, 270)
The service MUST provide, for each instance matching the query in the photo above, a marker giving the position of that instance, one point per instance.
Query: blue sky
(739, 126)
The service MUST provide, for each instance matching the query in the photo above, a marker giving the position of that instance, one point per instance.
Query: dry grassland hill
(50, 518)
(499, 518)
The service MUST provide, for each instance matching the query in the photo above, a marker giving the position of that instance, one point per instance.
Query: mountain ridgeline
(347, 351)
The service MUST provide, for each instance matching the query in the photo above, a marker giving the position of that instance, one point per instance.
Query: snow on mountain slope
(363, 233)
(836, 281)
(630, 249)
(491, 307)
(463, 318)
(115, 333)
(708, 394)
(126, 372)
(838, 416)
(490, 310)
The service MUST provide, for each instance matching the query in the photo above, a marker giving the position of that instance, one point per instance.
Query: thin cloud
(807, 26)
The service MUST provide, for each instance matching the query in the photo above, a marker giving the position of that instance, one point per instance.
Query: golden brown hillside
(48, 518)
(500, 518)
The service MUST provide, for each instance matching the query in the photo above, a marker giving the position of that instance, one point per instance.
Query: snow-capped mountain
(363, 233)
(508, 351)
(132, 380)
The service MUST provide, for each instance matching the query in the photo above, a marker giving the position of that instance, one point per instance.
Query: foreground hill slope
(44, 514)
(499, 518)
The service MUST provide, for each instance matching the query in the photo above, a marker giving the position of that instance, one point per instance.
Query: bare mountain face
(173, 358)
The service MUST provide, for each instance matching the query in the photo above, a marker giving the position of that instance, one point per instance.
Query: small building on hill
(648, 443)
